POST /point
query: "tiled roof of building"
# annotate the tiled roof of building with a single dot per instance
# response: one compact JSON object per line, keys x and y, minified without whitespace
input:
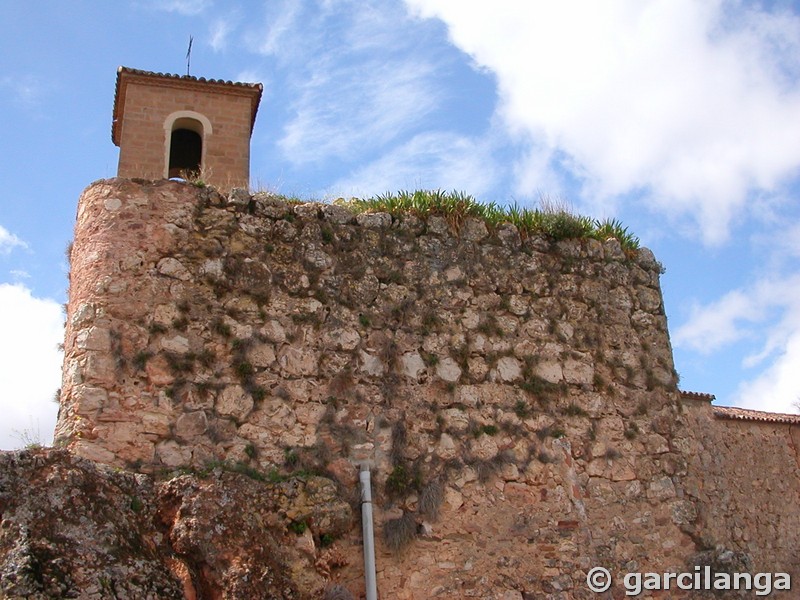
{"x":190,"y":81}
{"x":698,"y":396}
{"x":743,"y":414}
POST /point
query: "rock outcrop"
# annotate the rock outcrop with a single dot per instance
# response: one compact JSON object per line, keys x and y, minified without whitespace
{"x":74,"y":529}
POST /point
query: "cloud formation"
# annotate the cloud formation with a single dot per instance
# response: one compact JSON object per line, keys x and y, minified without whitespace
{"x":183,"y":7}
{"x":767,"y":315}
{"x":30,"y":364}
{"x":9,"y":241}
{"x":436,"y":160}
{"x":692,"y":105}
{"x":358,"y":79}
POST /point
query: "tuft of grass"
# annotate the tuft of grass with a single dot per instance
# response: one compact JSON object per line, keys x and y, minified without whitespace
{"x":551,"y":220}
{"x":521,"y":409}
{"x":399,"y":533}
{"x":299,"y":527}
{"x":136,"y":504}
{"x":141,"y":358}
{"x":402,"y":480}
{"x":431,"y":498}
{"x":573,"y":410}
{"x":337,"y":592}
{"x":479,"y":430}
{"x":221,"y":327}
{"x":545,"y":457}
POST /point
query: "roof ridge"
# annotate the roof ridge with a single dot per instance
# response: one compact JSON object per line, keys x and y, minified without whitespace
{"x":146,"y":73}
{"x":748,"y":414}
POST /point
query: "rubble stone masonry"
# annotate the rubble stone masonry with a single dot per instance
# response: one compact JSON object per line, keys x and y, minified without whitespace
{"x":514,"y":397}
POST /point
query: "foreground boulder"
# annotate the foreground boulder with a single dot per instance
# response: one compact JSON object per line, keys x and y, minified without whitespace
{"x":74,"y":529}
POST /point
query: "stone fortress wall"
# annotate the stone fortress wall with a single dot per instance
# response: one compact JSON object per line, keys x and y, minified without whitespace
{"x":515,"y":398}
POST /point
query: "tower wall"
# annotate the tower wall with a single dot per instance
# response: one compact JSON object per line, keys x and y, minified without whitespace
{"x":148,"y":101}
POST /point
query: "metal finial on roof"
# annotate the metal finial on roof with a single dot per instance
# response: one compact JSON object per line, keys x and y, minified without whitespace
{"x":189,"y":55}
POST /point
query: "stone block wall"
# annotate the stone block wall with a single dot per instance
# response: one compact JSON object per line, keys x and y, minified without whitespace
{"x":515,"y":398}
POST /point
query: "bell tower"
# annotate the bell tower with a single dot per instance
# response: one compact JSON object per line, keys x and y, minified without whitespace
{"x":170,"y":126}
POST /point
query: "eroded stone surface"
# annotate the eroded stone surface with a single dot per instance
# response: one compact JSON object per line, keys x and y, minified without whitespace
{"x":71,"y":528}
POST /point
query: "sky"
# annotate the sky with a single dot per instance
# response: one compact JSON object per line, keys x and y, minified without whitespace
{"x":679,"y":117}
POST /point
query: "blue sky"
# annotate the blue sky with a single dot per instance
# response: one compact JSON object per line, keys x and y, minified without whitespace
{"x":681,"y":117}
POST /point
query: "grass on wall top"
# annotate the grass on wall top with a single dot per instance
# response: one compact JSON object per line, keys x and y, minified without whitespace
{"x":552,"y":220}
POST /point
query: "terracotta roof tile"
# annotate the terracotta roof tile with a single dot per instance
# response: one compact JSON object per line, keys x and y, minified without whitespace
{"x":743,"y":414}
{"x":698,"y":396}
{"x":125,"y":73}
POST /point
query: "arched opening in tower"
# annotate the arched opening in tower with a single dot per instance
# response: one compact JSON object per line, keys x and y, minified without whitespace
{"x":185,"y":153}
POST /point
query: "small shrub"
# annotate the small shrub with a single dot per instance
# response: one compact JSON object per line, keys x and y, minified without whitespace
{"x":291,"y":458}
{"x":258,"y":392}
{"x":521,"y":409}
{"x":489,"y":429}
{"x":244,"y":369}
{"x":221,"y":327}
{"x":632,"y":431}
{"x":612,"y":454}
{"x":136,"y":504}
{"x":573,"y":410}
{"x":401,"y":480}
{"x":180,"y":363}
{"x":206,"y":357}
{"x":364,"y":320}
{"x":399,"y":439}
{"x":430,"y":359}
{"x":484,"y":469}
{"x":156,"y":328}
{"x":298,"y":527}
{"x":399,"y":533}
{"x":141,"y":358}
{"x":545,"y":457}
{"x":250,"y":450}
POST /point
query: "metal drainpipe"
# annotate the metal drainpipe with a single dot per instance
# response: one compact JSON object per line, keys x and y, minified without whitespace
{"x":369,"y":538}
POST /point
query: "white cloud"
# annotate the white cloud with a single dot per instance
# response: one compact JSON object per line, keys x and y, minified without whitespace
{"x":219,"y":32}
{"x":428,"y":161}
{"x":767,"y":315}
{"x":183,"y":7}
{"x":9,"y":241}
{"x":777,"y":388}
{"x":30,"y":364}
{"x":720,"y":323}
{"x":360,"y":76}
{"x":695,"y":103}
{"x":26,"y":90}
{"x":342,"y":110}
{"x":280,"y":21}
